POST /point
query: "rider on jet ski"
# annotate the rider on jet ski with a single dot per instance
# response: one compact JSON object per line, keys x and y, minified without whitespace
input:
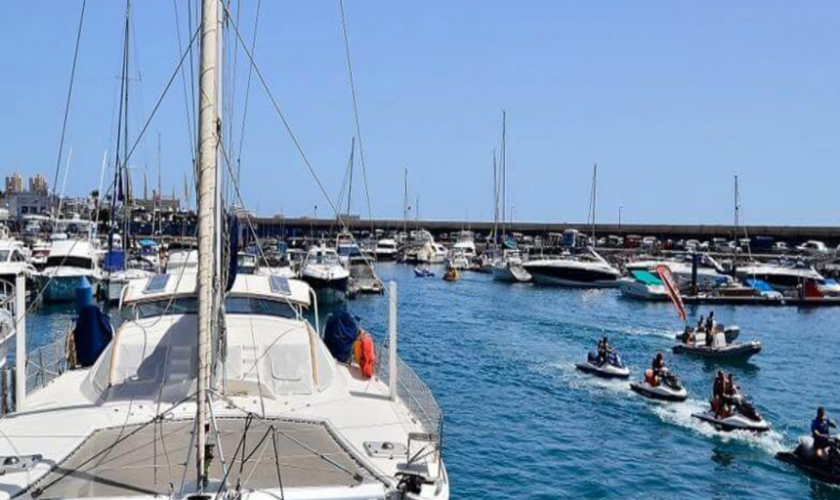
{"x":725,"y":395}
{"x":604,"y":349}
{"x":821,"y":432}
{"x":657,"y":369}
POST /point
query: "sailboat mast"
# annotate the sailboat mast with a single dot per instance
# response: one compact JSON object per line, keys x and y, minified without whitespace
{"x":504,"y":176}
{"x":405,"y":204}
{"x":737,"y":210}
{"x":594,"y":199}
{"x":207,"y":187}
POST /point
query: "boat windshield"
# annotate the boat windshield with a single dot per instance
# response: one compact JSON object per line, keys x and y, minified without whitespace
{"x":69,"y":261}
{"x":4,"y":255}
{"x":261,"y":307}
{"x":233,"y":305}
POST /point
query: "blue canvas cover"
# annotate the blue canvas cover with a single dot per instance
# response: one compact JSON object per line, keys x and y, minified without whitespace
{"x":93,"y":332}
{"x":114,"y":261}
{"x":760,"y":285}
{"x":339,"y":335}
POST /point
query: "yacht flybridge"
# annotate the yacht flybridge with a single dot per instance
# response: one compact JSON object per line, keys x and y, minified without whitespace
{"x":218,"y":387}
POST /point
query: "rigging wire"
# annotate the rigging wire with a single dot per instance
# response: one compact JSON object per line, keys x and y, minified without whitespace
{"x":247,"y":93}
{"x":191,"y":130}
{"x":356,"y":112}
{"x":69,"y":96}
{"x":160,"y":99}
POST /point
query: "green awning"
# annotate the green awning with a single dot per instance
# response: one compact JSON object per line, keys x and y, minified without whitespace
{"x":646,"y":277}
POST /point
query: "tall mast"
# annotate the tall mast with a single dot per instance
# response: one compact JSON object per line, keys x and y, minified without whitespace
{"x":207,"y":192}
{"x":737,"y":209}
{"x":350,"y":185}
{"x":504,"y":176}
{"x":405,"y":203}
{"x":594,"y":199}
{"x":495,"y":204}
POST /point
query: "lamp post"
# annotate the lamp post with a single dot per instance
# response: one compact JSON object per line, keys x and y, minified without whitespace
{"x":620,"y":209}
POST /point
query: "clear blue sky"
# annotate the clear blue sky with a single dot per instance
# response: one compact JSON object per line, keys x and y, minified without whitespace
{"x":671,"y":98}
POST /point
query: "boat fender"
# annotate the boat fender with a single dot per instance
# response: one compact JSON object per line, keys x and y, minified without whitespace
{"x":364,"y":353}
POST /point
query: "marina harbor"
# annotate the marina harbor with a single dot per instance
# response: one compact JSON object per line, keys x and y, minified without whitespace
{"x":623,"y":282}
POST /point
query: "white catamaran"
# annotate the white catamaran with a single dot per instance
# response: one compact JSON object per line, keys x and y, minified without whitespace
{"x":212,"y":393}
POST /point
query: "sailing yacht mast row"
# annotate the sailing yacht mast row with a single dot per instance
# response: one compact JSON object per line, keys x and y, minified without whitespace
{"x":209,"y":389}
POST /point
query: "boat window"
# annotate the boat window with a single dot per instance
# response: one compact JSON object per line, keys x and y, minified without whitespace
{"x":69,"y":261}
{"x":262,"y":307}
{"x":166,"y":306}
{"x":4,"y":255}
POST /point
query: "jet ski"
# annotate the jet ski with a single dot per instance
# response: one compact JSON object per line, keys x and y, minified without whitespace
{"x":744,"y":417}
{"x":826,"y":470}
{"x":613,"y":368}
{"x":423,"y":272}
{"x":736,"y":351}
{"x":730,"y":333}
{"x":669,"y":389}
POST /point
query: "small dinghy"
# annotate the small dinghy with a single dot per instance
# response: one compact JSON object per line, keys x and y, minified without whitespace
{"x":423,"y":272}
{"x":738,"y":351}
{"x":826,"y":470}
{"x":613,"y":368}
{"x":669,"y":388}
{"x":744,"y":417}
{"x":730,"y":333}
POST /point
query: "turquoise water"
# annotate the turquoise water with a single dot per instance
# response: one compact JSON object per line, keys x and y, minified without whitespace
{"x":521,"y":423}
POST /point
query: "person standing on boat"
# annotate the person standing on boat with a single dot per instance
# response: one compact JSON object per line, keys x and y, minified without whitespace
{"x":701,"y":324}
{"x":821,"y":432}
{"x":711,"y":324}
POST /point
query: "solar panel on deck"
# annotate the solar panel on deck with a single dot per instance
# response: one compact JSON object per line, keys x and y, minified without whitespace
{"x":279,"y":284}
{"x":157,"y":283}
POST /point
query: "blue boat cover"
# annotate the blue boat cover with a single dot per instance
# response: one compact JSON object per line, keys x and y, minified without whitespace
{"x":760,"y":285}
{"x":93,"y":332}
{"x":114,"y":261}
{"x":339,"y":335}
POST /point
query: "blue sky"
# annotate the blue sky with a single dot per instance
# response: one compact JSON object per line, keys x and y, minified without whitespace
{"x":669,"y":98}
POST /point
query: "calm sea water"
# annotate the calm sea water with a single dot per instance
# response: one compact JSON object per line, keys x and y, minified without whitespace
{"x":521,"y":423}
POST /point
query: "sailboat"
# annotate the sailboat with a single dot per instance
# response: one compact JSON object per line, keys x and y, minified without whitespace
{"x":218,"y":390}
{"x":507,"y":262}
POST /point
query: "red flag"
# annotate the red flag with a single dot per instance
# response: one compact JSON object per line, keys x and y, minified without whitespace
{"x":671,"y":287}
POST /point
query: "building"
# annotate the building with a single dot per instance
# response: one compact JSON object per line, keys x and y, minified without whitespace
{"x":14,"y":183}
{"x":35,"y":201}
{"x":38,"y":184}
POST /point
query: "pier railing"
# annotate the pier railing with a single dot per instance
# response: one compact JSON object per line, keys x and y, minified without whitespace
{"x":414,"y":393}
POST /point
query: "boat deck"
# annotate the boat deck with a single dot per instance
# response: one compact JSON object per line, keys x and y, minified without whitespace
{"x":148,"y":459}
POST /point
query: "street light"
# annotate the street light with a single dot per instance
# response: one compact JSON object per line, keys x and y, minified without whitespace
{"x":620,"y":209}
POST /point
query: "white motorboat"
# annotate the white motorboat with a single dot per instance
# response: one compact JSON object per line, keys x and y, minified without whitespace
{"x":644,"y":285}
{"x":586,"y":271}
{"x":386,"y":250}
{"x":69,"y":261}
{"x":431,"y":253}
{"x":325,"y":273}
{"x":780,"y":277}
{"x":709,"y":273}
{"x":509,"y":268}
{"x":13,"y":261}
{"x":458,"y":259}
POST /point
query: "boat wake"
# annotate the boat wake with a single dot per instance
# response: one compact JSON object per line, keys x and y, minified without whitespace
{"x":594,"y":385}
{"x":770,"y":442}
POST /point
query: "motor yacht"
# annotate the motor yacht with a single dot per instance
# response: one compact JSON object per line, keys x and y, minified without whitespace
{"x":710,"y":274}
{"x":70,"y":260}
{"x":509,"y":268}
{"x":386,"y":250}
{"x":325,"y":273}
{"x":585,"y":270}
{"x":13,"y":261}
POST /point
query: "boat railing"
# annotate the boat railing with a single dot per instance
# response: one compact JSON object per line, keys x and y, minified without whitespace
{"x":415,"y":394}
{"x":46,"y":363}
